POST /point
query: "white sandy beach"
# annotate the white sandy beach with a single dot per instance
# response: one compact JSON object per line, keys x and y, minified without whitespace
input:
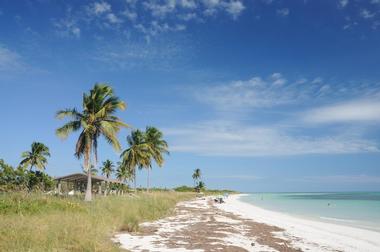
{"x":307,"y":234}
{"x":202,"y":225}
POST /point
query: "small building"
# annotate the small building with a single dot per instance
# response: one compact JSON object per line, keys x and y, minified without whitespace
{"x":77,"y":182}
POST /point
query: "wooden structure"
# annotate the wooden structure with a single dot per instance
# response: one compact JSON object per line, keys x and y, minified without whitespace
{"x":78,"y":182}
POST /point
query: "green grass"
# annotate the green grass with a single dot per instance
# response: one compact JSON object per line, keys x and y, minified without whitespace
{"x":32,"y":222}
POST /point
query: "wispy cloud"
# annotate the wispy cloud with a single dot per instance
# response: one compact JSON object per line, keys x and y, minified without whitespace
{"x":147,"y":17}
{"x":366,"y":14}
{"x":276,"y":90}
{"x":162,"y":54}
{"x":352,"y":111}
{"x":342,"y":3}
{"x":283,"y":12}
{"x":11,"y":61}
{"x":223,"y":138}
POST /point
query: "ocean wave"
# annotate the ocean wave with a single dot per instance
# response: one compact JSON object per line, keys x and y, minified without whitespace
{"x":336,"y":219}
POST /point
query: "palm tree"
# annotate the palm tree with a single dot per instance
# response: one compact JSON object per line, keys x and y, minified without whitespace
{"x":123,"y":174}
{"x":157,"y":147}
{"x":107,"y":168}
{"x":196,"y":175}
{"x":96,"y":119}
{"x":200,"y":186}
{"x":36,"y":157}
{"x":137,"y":155}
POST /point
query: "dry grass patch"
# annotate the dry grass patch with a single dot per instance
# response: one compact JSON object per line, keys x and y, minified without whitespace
{"x":47,"y":223}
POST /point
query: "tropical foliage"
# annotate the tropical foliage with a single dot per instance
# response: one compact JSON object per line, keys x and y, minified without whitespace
{"x":136,"y":155}
{"x":196,"y":175}
{"x":144,"y":147}
{"x":157,"y":147}
{"x":36,"y":157}
{"x":200,"y":186}
{"x":107,"y":168}
{"x":21,"y":179}
{"x":96,"y":119}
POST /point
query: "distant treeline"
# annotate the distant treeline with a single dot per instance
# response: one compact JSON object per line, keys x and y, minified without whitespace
{"x":185,"y":188}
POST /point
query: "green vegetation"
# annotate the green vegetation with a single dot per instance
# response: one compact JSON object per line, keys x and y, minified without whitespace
{"x":143,"y":148}
{"x":108,"y":168}
{"x":185,"y":188}
{"x":21,"y":179}
{"x":196,"y":176}
{"x":37,"y":157}
{"x":36,"y":222}
{"x":96,"y":119}
{"x":198,"y":184}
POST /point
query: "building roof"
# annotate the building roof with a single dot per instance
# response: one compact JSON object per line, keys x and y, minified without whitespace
{"x":83,"y":178}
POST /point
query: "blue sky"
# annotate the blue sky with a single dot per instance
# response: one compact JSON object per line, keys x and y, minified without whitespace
{"x":261,"y":95}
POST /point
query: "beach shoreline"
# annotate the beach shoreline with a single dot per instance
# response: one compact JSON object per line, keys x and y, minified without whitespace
{"x":203,"y":225}
{"x":305,"y":233}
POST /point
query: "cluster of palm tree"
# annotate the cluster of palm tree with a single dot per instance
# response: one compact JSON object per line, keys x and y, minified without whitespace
{"x":98,"y":118}
{"x":144,"y":148}
{"x":198,"y":184}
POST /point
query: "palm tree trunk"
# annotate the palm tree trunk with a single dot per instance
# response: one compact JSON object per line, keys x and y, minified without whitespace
{"x":147,"y":182}
{"x":88,"y":196}
{"x":134,"y":180}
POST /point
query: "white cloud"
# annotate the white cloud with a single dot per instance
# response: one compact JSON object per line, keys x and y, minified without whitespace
{"x":283,"y":12}
{"x":190,"y":4}
{"x":276,"y":90}
{"x":278,"y":80}
{"x":131,"y":15}
{"x":258,"y":92}
{"x":10,"y":60}
{"x":234,"y":8}
{"x":353,"y":111}
{"x":223,"y":138}
{"x":188,"y":16}
{"x":160,"y":10}
{"x":113,"y":19}
{"x":161,"y":54}
{"x":367,"y":14}
{"x":149,"y":17}
{"x":100,"y":8}
{"x":342,"y":3}
{"x":68,"y":27}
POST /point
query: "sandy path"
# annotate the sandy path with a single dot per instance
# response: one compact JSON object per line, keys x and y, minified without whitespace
{"x":199,"y":225}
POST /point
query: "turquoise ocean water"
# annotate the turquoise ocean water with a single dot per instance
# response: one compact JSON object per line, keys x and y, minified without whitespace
{"x":357,"y":209}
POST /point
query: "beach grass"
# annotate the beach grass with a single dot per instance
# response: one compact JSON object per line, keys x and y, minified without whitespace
{"x":36,"y":222}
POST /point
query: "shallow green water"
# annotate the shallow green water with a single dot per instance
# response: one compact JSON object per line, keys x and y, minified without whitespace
{"x":358,"y":209}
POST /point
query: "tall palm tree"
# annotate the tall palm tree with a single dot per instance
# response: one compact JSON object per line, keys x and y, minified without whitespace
{"x":137,"y":155}
{"x":196,"y":175}
{"x":157,"y":147}
{"x":96,"y":119}
{"x":107,"y":168}
{"x":36,"y":157}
